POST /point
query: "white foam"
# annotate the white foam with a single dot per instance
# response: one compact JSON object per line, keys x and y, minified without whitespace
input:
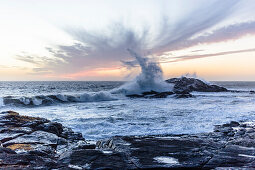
{"x":25,"y":100}
{"x":1,"y":102}
{"x":74,"y":166}
{"x":150,"y":78}
{"x":166,"y":160}
{"x":36,"y":101}
{"x":107,"y":152}
{"x":248,"y":156}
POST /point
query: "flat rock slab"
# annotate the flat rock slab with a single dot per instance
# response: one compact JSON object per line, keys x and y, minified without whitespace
{"x":35,"y":137}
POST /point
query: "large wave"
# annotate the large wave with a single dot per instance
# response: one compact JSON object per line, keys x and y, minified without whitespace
{"x":150,"y":78}
{"x":56,"y":99}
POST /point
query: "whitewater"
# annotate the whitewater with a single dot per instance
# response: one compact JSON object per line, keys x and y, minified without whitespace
{"x":101,"y":109}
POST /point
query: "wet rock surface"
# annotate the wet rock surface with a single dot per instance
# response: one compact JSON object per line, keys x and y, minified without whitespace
{"x":188,"y":85}
{"x":37,"y":143}
{"x":33,"y":143}
{"x":226,"y":147}
{"x":151,"y":94}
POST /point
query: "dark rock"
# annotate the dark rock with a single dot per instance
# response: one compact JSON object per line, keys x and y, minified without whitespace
{"x":241,"y":132}
{"x":49,"y":145}
{"x":105,"y":144}
{"x":184,"y":95}
{"x":6,"y":150}
{"x":162,"y":94}
{"x":250,"y":130}
{"x":243,"y":125}
{"x":192,"y":84}
{"x":226,"y":130}
{"x":151,"y":94}
{"x":16,"y":120}
{"x":52,"y":127}
{"x":31,"y":143}
{"x":232,"y":156}
{"x":70,"y":135}
{"x":35,"y":137}
{"x":86,"y":146}
{"x":234,"y":124}
{"x":135,"y":95}
{"x":95,"y":159}
{"x":252,"y":92}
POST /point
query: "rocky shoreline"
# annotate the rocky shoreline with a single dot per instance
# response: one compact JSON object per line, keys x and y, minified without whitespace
{"x":37,"y":143}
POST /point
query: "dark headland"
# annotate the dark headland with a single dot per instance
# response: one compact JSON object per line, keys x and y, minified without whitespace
{"x":37,"y":143}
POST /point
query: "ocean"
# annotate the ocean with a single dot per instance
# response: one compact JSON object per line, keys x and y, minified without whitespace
{"x":97,"y":111}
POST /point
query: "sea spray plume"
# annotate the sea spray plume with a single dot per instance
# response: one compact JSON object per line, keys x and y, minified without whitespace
{"x":151,"y":72}
{"x":150,"y":78}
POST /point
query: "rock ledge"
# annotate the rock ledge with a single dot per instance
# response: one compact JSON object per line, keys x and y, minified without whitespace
{"x":37,"y":143}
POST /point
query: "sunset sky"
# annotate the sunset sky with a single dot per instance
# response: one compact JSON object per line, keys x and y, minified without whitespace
{"x":88,"y":39}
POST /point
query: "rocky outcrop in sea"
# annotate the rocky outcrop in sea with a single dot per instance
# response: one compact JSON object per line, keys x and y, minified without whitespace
{"x":37,"y":143}
{"x":185,"y":84}
{"x":182,"y":88}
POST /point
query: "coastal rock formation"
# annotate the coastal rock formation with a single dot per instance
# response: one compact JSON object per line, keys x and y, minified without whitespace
{"x":185,"y":84}
{"x":231,"y":145}
{"x":151,"y":94}
{"x":33,"y":143}
{"x":36,"y":143}
{"x":182,"y":88}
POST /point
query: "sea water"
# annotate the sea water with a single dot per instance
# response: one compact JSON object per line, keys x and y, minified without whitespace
{"x":94,"y":110}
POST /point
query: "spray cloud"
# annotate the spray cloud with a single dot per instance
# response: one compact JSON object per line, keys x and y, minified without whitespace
{"x":150,"y":78}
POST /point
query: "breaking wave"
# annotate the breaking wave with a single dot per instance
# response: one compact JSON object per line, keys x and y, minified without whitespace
{"x":56,"y":99}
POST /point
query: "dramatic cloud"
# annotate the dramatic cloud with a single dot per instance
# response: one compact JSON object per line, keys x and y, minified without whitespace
{"x":190,"y":57}
{"x":108,"y":48}
{"x":97,"y":50}
{"x":227,"y":33}
{"x":230,"y":32}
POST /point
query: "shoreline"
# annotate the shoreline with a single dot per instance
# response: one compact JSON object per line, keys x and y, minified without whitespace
{"x":37,"y":143}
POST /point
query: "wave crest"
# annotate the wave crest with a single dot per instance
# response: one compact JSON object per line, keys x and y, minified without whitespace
{"x":56,"y":99}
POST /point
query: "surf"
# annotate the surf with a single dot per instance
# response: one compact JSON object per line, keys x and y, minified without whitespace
{"x":44,"y":100}
{"x":149,"y":79}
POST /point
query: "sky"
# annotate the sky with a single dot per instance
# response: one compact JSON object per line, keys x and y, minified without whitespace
{"x":87,"y":40}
